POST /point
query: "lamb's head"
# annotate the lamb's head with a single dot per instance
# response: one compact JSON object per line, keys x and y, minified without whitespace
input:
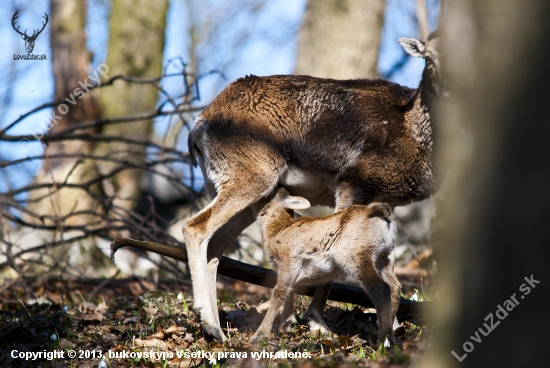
{"x":430,"y":52}
{"x":281,"y":207}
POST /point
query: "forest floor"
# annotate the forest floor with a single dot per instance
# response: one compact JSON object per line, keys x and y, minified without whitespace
{"x":128,"y":326}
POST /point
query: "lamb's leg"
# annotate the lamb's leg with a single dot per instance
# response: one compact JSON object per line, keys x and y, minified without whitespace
{"x":347,"y":195}
{"x":382,"y":295}
{"x":395,"y":286}
{"x":281,"y":292}
{"x":287,"y":317}
{"x":316,"y":309}
{"x":376,"y":276}
{"x":384,"y":268}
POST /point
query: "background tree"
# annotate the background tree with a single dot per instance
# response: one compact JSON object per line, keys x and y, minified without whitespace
{"x":71,"y":63}
{"x":340,"y":39}
{"x":135,"y":49}
{"x":496,"y":158}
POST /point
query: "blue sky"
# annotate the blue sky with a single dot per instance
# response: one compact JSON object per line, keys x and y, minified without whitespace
{"x":272,"y":51}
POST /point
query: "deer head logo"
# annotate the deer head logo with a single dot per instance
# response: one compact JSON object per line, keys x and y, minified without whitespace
{"x":29,"y":40}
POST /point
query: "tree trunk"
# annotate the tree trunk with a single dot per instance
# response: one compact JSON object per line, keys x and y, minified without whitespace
{"x":136,"y":44}
{"x":495,"y":136}
{"x":340,"y":39}
{"x":70,"y":61}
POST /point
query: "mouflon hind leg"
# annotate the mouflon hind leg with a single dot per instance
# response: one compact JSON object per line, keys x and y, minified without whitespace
{"x":238,"y":191}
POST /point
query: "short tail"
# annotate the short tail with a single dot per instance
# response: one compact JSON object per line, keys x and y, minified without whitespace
{"x":192,"y":150}
{"x":382,"y":210}
{"x":193,"y":139}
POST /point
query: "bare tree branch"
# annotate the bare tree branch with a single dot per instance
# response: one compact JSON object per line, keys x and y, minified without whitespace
{"x":162,"y":161}
{"x":268,"y":278}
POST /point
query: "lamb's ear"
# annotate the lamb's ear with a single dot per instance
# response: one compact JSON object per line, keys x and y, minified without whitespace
{"x":295,"y":203}
{"x":412,"y":46}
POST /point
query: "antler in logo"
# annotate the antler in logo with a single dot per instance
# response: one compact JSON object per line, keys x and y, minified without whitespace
{"x":29,"y":40}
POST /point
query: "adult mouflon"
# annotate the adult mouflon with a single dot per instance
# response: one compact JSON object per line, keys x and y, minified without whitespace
{"x":334,"y":142}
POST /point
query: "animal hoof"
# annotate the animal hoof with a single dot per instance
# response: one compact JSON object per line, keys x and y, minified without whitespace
{"x":257,"y":337}
{"x":212,"y":333}
{"x":197,"y":310}
{"x":288,"y":326}
{"x":318,"y":326}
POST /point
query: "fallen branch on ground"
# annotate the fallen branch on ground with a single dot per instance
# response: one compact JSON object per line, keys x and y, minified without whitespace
{"x":408,"y":310}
